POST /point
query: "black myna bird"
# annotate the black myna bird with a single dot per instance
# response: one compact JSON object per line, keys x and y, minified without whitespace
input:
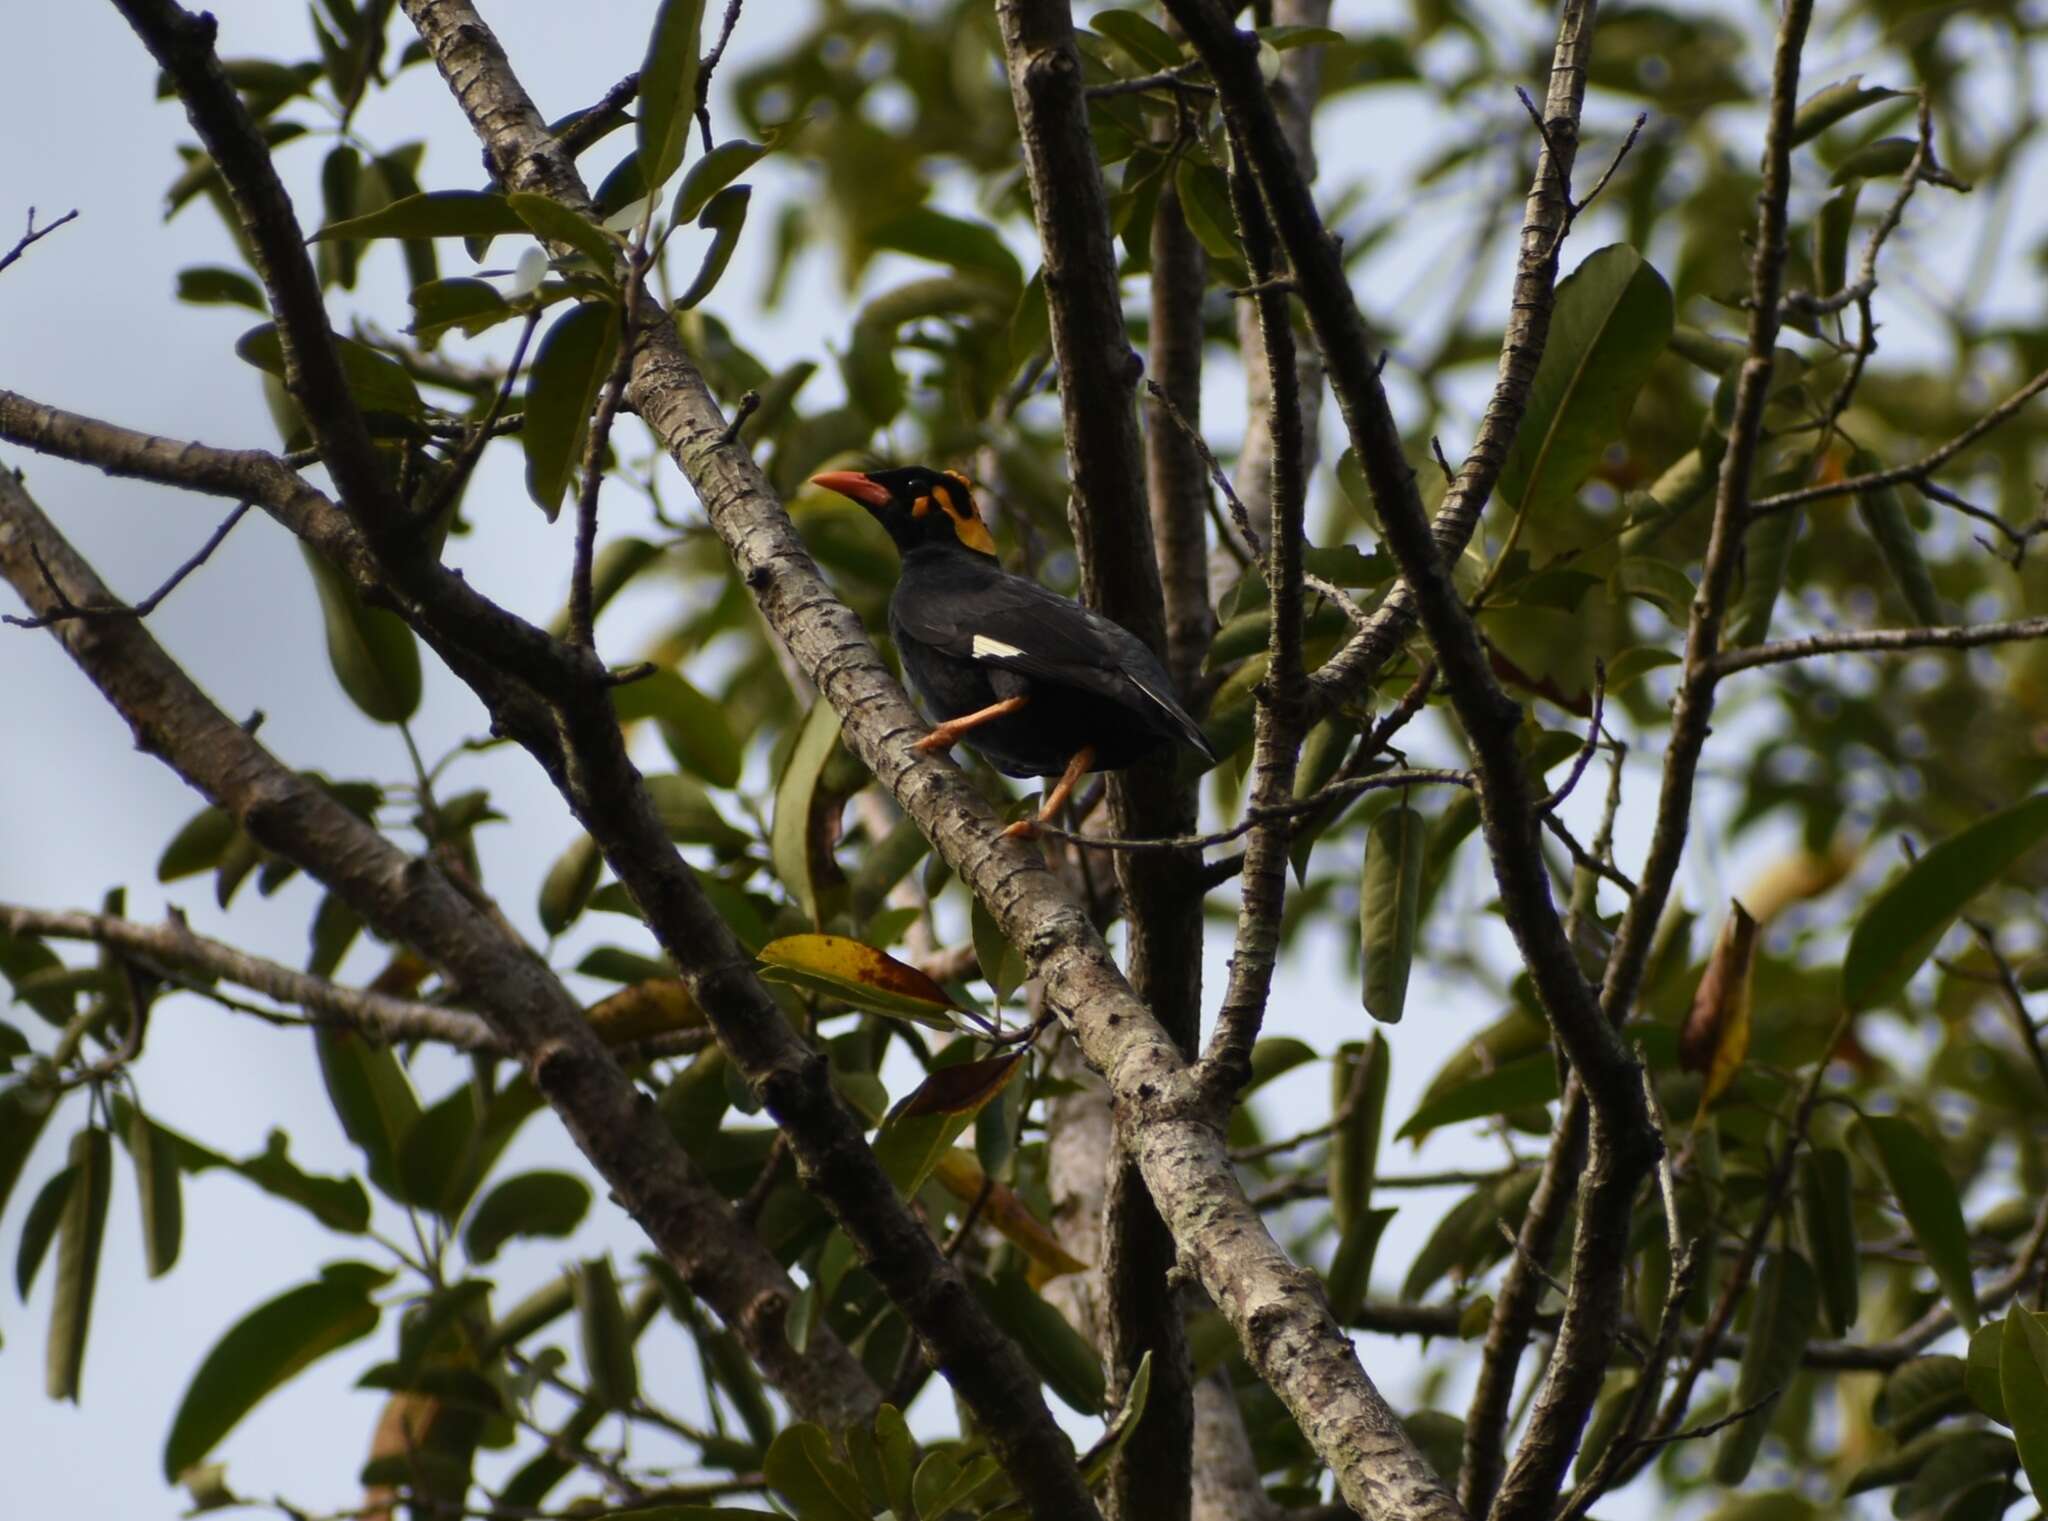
{"x":1037,"y":683}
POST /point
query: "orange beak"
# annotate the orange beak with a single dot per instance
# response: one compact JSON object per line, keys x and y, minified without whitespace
{"x":851,"y":483}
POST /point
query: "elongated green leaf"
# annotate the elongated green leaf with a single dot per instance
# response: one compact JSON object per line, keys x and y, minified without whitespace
{"x":569,"y":369}
{"x":1389,"y":895}
{"x":372,"y":1096}
{"x":1612,"y":320}
{"x":198,"y":844}
{"x":337,"y":1203}
{"x":607,"y":1335}
{"x":1351,"y":1268}
{"x":1787,"y":1305}
{"x":1903,"y":924}
{"x":471,"y":305}
{"x":2023,"y":1385}
{"x":1822,"y":109}
{"x":372,"y":651}
{"x":266,"y":1348}
{"x":1519,"y":1084}
{"x":975,"y":247}
{"x":1827,"y":1217}
{"x":437,"y":214}
{"x":569,"y":883}
{"x":1920,"y":1393}
{"x":531,"y":1204}
{"x":1354,"y":1149}
{"x":80,"y":1229}
{"x":791,"y":838}
{"x":695,"y":728}
{"x":552,"y":222}
{"x":157,"y":1188}
{"x":39,"y":1228}
{"x":1063,"y":1358}
{"x":1766,"y":556}
{"x":811,"y":1478}
{"x":712,"y":173}
{"x":725,"y":214}
{"x":377,"y":381}
{"x":1981,"y":1370}
{"x":212,"y":285}
{"x":668,"y":89}
{"x":1885,"y":516}
{"x":1147,"y":44}
{"x":1877,"y":160}
{"x":1927,"y":1197}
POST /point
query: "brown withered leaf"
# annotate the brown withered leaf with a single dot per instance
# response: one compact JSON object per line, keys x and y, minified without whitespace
{"x":962,"y":1088}
{"x":1715,"y":1037}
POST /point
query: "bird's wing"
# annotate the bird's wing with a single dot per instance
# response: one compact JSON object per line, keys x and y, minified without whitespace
{"x":1010,"y":623}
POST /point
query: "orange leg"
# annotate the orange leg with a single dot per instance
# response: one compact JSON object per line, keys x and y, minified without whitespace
{"x":1055,"y":800}
{"x":946,"y":735}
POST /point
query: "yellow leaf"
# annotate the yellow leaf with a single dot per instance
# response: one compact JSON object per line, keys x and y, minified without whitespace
{"x":960,"y":1173}
{"x":1797,"y":877}
{"x":643,"y":1010}
{"x":860,"y":975}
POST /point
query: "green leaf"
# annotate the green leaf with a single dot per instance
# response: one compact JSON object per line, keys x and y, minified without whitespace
{"x":1904,"y":923}
{"x":1143,"y":40}
{"x":688,"y":815}
{"x":615,"y":564}
{"x":1001,"y":967}
{"x":553,"y":223}
{"x":81,"y":1226}
{"x":1388,"y":896}
{"x":668,"y":89}
{"x":198,"y":844}
{"x":971,"y":247}
{"x":1827,"y":1218}
{"x":569,"y":883}
{"x":802,"y":1468}
{"x":694,"y":727}
{"x":337,"y":1203}
{"x":213,"y":285}
{"x":1766,"y":557}
{"x":1884,"y":515}
{"x":1519,"y":1084}
{"x":1095,"y":1463}
{"x":1982,"y":1378}
{"x":791,"y":839}
{"x":155,"y":1157}
{"x":1927,"y":1197}
{"x":1354,"y":1148}
{"x":712,"y":173}
{"x":530,"y":1204}
{"x":1822,"y":109}
{"x":39,"y":1228}
{"x":607,"y":1335}
{"x":372,"y":651}
{"x":724,"y":215}
{"x":1062,"y":1356}
{"x":1613,"y":318}
{"x":1920,"y":1393}
{"x":1350,"y":1272}
{"x":376,"y":381}
{"x":1787,"y":1305}
{"x":569,"y":369}
{"x":266,"y":1348}
{"x":1877,"y":160}
{"x":471,"y":305}
{"x":373,"y":1098}
{"x":437,"y":214}
{"x":2023,"y":1385}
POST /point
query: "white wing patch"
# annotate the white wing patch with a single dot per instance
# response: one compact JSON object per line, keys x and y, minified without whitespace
{"x":985,"y":648}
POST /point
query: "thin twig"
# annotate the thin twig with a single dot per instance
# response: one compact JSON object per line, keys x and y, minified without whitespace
{"x":1257,"y":816}
{"x":1882,"y":641}
{"x":64,"y":611}
{"x":593,"y":123}
{"x":1174,"y":79}
{"x":1238,"y":515}
{"x":1584,"y":757}
{"x":34,"y":235}
{"x":709,"y":65}
{"x":580,"y":593}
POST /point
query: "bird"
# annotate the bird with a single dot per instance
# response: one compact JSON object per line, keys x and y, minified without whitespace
{"x":1038,"y":684}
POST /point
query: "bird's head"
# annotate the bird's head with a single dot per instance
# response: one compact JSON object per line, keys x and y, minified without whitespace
{"x":918,"y":507}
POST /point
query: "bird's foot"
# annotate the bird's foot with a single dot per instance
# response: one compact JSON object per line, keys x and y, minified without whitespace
{"x":944,"y":737}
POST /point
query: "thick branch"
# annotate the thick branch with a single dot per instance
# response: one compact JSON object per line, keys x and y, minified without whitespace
{"x":408,"y":899}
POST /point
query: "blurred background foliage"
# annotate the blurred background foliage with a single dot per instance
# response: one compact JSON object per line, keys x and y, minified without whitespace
{"x":884,"y":149}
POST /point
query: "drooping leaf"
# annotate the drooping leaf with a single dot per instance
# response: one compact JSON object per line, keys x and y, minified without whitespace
{"x":39,"y":1228}
{"x":265,"y":1349}
{"x":958,"y":1171}
{"x":607,"y":1335}
{"x":1904,"y":922}
{"x":1982,"y":1376}
{"x":157,"y":1189}
{"x":1520,"y":1084}
{"x":1927,"y":1197}
{"x":860,"y":975}
{"x":1827,"y":1217}
{"x":1787,"y":1305}
{"x":695,"y":728}
{"x":372,"y":1096}
{"x":569,"y":369}
{"x":963,"y":1087}
{"x":372,"y":651}
{"x":1884,"y":515}
{"x":1389,"y":896}
{"x":1350,"y":1274}
{"x":531,"y":1204}
{"x":1063,"y":1358}
{"x":569,"y":882}
{"x":724,"y":216}
{"x":1715,"y":1037}
{"x":1612,"y":319}
{"x":1354,"y":1148}
{"x":2023,"y":1385}
{"x":668,"y":89}
{"x":378,"y":382}
{"x":793,"y":845}
{"x":81,"y":1226}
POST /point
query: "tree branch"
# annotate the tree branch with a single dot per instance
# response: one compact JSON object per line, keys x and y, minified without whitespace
{"x":409,"y":899}
{"x":32,"y":234}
